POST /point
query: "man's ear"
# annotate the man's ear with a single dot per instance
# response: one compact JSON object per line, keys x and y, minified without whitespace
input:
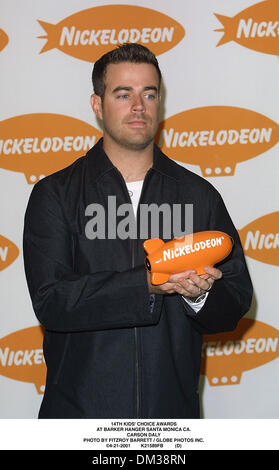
{"x":96,"y":103}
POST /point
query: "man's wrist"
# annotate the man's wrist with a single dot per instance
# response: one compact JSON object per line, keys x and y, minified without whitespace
{"x":196,"y":300}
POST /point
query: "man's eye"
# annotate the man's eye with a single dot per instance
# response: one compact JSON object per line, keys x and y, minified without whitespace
{"x":150,"y":96}
{"x":123,"y":97}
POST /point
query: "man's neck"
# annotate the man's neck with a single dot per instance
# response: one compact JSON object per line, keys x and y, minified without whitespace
{"x":132,"y":164}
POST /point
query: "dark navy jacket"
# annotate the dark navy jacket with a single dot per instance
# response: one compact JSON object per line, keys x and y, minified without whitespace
{"x":108,"y":353}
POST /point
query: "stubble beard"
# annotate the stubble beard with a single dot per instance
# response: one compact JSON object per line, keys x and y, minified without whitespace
{"x":128,"y":142}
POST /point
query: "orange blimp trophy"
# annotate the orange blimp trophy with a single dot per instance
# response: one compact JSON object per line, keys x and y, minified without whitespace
{"x":193,"y":251}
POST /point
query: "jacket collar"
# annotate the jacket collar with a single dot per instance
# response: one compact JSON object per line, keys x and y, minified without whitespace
{"x":99,"y":163}
{"x":165,"y":165}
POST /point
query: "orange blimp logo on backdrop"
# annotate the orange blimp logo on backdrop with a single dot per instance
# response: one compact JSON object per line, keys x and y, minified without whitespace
{"x":21,"y":357}
{"x":260,"y":239}
{"x":225,"y":356}
{"x":40,"y":144}
{"x":4,"y":39}
{"x":256,"y":27}
{"x":217,"y":138}
{"x":90,"y":33}
{"x":8,"y":252}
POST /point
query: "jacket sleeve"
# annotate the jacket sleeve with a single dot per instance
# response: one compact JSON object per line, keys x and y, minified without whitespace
{"x":230,"y":297}
{"x":64,"y":300}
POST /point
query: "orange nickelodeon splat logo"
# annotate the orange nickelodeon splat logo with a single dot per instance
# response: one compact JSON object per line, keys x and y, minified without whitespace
{"x":225,"y":356}
{"x":40,"y":144}
{"x":216,"y":137}
{"x":260,"y":239}
{"x":88,"y":34}
{"x":8,"y":252}
{"x":21,"y":357}
{"x":256,"y":27}
{"x":4,"y":39}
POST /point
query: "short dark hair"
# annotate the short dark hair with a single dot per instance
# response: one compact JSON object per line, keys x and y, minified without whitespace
{"x":130,"y":52}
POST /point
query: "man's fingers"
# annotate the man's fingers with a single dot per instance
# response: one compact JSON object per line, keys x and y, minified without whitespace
{"x":166,"y":288}
{"x":200,"y":282}
{"x":213,"y":272}
{"x":187,"y":289}
{"x":188,"y":283}
{"x":177,"y":277}
{"x":194,"y":285}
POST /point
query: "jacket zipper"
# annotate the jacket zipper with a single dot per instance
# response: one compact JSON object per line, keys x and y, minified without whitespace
{"x":137,"y":374}
{"x":135,"y":328}
{"x":136,"y":345}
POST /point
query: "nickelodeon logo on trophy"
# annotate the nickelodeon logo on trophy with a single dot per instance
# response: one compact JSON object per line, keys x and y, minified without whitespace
{"x":40,"y":144}
{"x":216,"y":138}
{"x":90,"y":33}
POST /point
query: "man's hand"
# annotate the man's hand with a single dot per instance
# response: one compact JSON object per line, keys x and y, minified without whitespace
{"x":187,"y":283}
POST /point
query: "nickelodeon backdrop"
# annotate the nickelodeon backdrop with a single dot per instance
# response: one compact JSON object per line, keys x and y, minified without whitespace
{"x":219,"y":119}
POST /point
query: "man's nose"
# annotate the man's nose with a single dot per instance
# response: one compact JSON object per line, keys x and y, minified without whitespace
{"x":138,"y":104}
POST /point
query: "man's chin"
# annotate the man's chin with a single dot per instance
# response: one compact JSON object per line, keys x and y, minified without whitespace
{"x":135,"y":144}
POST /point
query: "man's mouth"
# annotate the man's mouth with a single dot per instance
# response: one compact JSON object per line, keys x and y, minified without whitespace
{"x":137,"y":123}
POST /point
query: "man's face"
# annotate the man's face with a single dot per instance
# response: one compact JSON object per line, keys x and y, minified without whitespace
{"x":130,"y":107}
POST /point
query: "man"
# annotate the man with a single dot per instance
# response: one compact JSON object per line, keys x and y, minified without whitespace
{"x":116,"y":345}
